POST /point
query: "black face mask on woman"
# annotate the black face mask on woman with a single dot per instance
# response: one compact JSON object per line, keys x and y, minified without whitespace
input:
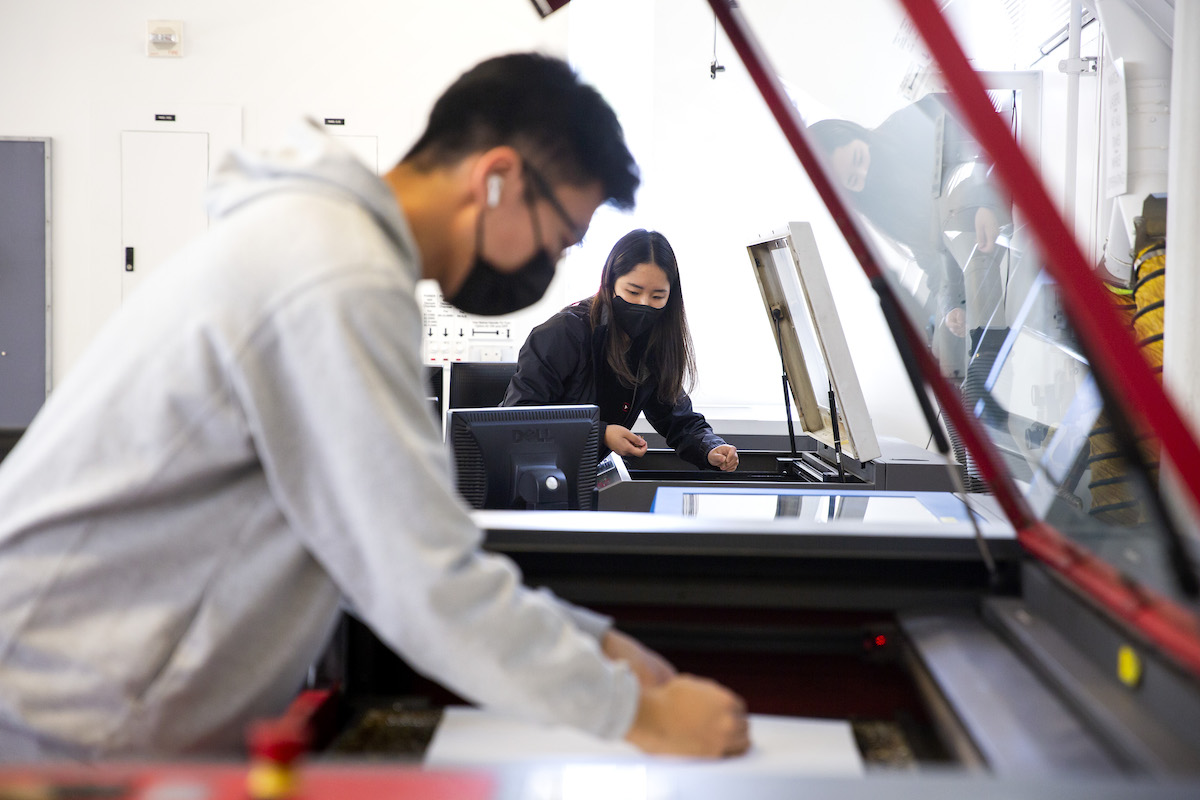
{"x":633,"y":318}
{"x":489,"y":292}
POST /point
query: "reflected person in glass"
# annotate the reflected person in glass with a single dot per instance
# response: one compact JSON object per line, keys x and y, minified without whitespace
{"x":922,"y":182}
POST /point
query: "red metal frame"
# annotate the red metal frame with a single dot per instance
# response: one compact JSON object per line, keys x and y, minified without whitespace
{"x":548,"y":7}
{"x":1111,"y":350}
{"x":217,"y":781}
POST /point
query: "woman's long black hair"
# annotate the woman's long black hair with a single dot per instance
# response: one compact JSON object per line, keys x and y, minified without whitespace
{"x":898,"y":195}
{"x":669,"y":351}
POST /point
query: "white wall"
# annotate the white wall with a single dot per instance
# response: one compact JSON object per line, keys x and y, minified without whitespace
{"x":716,"y":169}
{"x":68,"y":62}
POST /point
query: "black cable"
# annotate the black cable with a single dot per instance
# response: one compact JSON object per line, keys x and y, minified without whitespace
{"x":892,"y":315}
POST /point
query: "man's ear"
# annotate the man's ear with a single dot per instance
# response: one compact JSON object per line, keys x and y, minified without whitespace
{"x":493,"y":172}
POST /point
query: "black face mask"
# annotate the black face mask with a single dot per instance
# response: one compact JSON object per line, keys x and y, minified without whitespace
{"x":488,"y":292}
{"x":635,"y":319}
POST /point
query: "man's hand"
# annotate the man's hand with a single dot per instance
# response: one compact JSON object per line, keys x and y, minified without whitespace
{"x":650,"y":668}
{"x":623,"y":441}
{"x":690,"y":716}
{"x":725,"y":457}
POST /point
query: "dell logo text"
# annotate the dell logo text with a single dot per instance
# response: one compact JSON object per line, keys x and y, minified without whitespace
{"x":533,"y":435}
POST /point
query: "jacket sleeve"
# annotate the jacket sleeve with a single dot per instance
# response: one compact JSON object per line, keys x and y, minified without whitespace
{"x":554,"y":351}
{"x":332,"y":388}
{"x":944,"y":278}
{"x":967,"y":181}
{"x":969,"y":187}
{"x":685,"y":430}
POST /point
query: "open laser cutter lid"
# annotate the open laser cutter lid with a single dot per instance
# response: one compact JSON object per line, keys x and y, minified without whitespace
{"x":811,"y":341}
{"x":1025,"y":351}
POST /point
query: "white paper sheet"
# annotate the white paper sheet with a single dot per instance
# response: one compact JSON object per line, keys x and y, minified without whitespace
{"x":472,"y":737}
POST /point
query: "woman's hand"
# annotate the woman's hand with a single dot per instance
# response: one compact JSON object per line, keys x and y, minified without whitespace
{"x":650,"y":668}
{"x":956,"y":322}
{"x":623,"y":441}
{"x":987,"y":228}
{"x":725,"y":457}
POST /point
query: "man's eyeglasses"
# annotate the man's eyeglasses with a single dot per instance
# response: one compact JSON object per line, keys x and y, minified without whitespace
{"x":542,"y":187}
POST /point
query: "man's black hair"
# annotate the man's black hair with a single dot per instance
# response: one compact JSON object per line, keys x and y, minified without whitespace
{"x":538,"y":105}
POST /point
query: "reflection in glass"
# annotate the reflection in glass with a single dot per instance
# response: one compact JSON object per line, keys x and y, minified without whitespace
{"x":922,"y":183}
{"x":964,"y":264}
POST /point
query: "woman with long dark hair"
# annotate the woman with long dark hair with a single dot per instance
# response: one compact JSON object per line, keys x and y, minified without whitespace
{"x":627,"y":349}
{"x":920,"y":179}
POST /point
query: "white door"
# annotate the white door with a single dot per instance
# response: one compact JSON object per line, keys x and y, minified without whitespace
{"x":163,"y":178}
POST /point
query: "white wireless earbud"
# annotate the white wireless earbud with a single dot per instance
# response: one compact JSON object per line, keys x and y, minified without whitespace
{"x":494,"y":182}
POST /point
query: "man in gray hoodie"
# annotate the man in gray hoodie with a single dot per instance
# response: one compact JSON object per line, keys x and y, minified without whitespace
{"x":246,"y":445}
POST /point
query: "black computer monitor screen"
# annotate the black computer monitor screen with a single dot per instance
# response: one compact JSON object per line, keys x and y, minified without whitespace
{"x":433,"y":390}
{"x":526,"y":457}
{"x":476,"y":384}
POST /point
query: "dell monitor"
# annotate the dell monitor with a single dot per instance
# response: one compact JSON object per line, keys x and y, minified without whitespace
{"x":526,"y":457}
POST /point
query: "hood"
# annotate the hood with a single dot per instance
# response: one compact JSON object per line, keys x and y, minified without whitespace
{"x":307,"y":160}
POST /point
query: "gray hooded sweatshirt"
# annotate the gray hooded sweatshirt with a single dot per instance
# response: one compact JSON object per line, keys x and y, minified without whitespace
{"x":245,"y":446}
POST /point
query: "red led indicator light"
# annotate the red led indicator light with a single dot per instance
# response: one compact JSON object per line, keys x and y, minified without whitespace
{"x":880,"y":641}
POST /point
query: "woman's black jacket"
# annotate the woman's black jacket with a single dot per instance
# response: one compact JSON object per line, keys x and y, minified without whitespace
{"x":562,"y":363}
